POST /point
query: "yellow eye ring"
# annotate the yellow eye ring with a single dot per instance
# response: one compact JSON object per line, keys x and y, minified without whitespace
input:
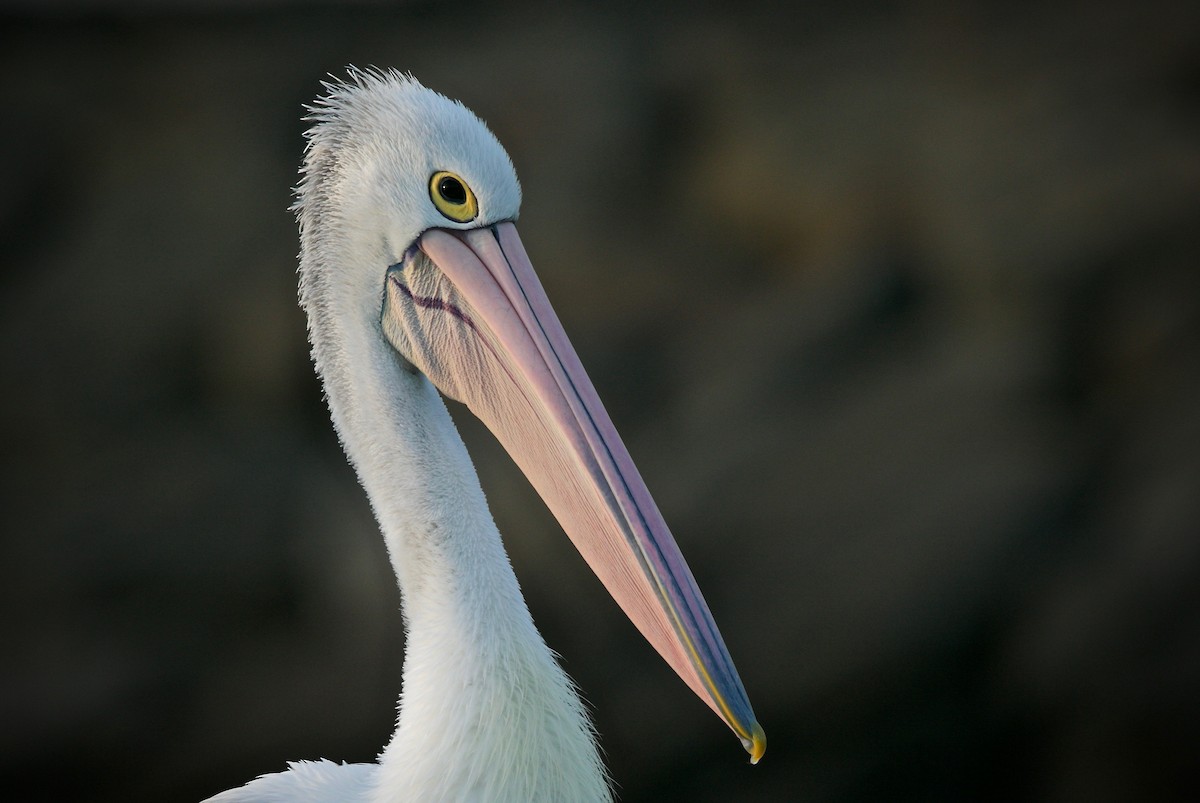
{"x":452,"y":197}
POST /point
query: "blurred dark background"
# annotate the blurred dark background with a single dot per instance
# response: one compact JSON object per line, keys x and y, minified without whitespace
{"x":897,"y":310}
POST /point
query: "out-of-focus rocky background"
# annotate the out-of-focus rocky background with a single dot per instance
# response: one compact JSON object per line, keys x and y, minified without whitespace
{"x":897,"y":310}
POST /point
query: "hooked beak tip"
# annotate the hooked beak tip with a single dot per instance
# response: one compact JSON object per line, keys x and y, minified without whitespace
{"x":756,"y":745}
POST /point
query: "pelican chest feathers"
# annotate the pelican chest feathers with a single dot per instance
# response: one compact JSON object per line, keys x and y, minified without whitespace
{"x":414,"y":281}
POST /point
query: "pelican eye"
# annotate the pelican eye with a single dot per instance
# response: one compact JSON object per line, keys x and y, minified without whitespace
{"x":452,"y":197}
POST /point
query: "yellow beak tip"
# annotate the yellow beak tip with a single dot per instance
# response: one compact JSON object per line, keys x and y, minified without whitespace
{"x":756,"y":745}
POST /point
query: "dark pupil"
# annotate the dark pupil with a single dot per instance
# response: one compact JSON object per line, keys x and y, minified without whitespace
{"x":452,"y":190}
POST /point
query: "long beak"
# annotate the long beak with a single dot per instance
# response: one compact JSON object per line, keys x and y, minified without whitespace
{"x":467,"y":309}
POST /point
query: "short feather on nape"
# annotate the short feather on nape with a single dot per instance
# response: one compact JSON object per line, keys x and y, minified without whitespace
{"x":388,"y":118}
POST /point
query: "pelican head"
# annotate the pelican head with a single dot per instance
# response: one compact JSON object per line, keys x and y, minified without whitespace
{"x":407,"y":211}
{"x":443,"y":273}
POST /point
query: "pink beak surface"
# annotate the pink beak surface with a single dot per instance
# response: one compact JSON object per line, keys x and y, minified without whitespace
{"x":467,"y":309}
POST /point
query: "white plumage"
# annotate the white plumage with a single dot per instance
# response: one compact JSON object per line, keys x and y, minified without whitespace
{"x":405,"y":287}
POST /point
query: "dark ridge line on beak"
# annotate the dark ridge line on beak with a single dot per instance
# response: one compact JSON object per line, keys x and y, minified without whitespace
{"x":587,"y":412}
{"x":706,"y":622}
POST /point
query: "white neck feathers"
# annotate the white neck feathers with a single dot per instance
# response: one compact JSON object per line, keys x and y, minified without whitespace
{"x":486,"y":713}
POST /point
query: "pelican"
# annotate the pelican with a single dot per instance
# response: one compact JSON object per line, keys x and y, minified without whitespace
{"x":414,"y":281}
